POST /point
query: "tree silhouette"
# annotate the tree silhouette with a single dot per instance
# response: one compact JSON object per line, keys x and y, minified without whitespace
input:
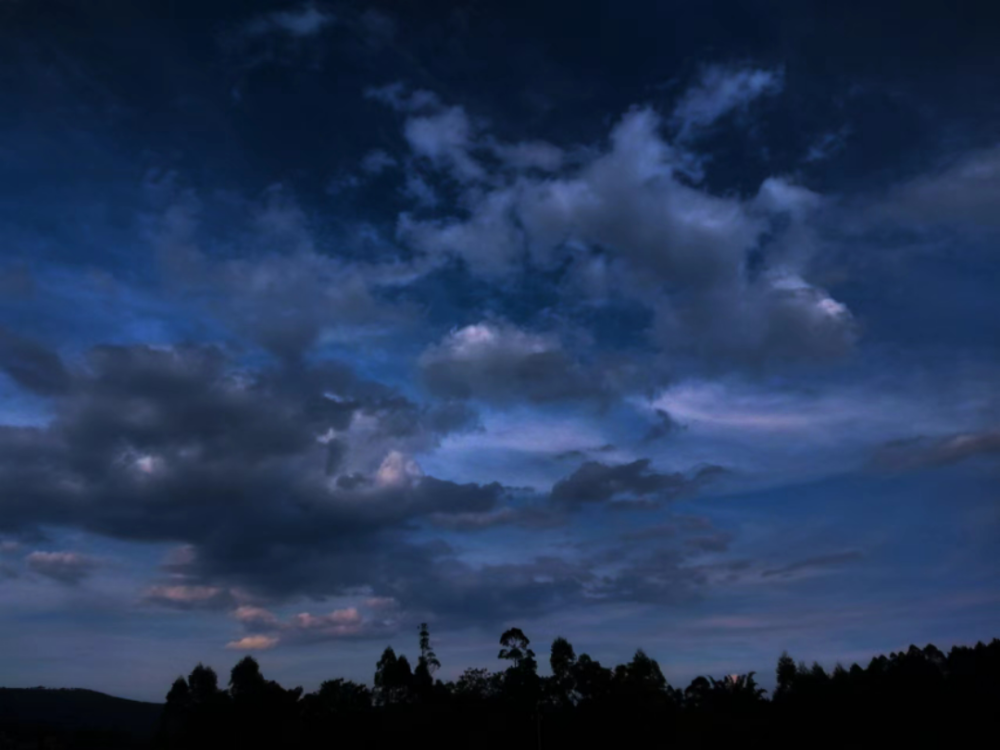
{"x":245,"y":679}
{"x":427,"y":664}
{"x":917,"y":696}
{"x":393,"y":679}
{"x":203,"y":684}
{"x":514,"y":645}
{"x":562,"y":660}
{"x":785,"y":673}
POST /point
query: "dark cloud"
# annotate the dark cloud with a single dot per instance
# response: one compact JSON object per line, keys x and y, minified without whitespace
{"x":181,"y":445}
{"x":282,"y":292}
{"x":666,"y":425}
{"x":65,"y":567}
{"x":528,"y":518}
{"x":924,"y":452}
{"x":677,"y":525}
{"x":632,"y":483}
{"x":962,"y":192}
{"x":31,"y":365}
{"x":821,"y":561}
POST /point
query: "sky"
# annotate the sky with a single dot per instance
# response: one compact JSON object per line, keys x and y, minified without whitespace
{"x":659,"y":325}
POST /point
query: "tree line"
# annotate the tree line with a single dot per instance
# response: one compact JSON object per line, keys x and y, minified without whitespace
{"x":914,"y":695}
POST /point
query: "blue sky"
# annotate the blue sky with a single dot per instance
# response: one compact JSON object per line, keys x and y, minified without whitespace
{"x":644,"y":324}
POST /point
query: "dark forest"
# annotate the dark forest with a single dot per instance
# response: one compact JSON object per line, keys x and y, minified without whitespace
{"x":917,"y":695}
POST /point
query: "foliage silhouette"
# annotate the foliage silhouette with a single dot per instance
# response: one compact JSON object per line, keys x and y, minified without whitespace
{"x":914,"y":696}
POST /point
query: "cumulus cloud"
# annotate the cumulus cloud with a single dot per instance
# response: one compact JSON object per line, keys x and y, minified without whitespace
{"x":65,"y":567}
{"x":498,"y":362}
{"x":721,"y":90}
{"x":679,"y":249}
{"x":179,"y":444}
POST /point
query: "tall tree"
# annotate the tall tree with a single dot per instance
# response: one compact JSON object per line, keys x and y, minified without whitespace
{"x":204,"y":685}
{"x":393,"y":678}
{"x":514,"y":647}
{"x":562,"y":660}
{"x":786,"y":673}
{"x":427,"y":664}
{"x":245,"y":679}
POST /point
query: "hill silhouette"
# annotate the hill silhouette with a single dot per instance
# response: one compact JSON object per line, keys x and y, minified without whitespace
{"x":78,"y":717}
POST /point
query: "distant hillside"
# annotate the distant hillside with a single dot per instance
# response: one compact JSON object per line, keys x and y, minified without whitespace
{"x":72,"y":710}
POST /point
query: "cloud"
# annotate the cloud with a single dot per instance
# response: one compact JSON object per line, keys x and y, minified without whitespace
{"x":253,"y":643}
{"x":923,"y":452}
{"x":66,"y":567}
{"x":376,"y":162}
{"x":682,"y":252}
{"x":446,"y":139}
{"x":180,"y":444}
{"x":596,"y":482}
{"x":721,"y":90}
{"x":530,"y":155}
{"x":666,"y":425}
{"x":268,"y":630}
{"x":827,"y":145}
{"x":419,"y":190}
{"x":497,"y":362}
{"x":962,"y":193}
{"x":813,"y":563}
{"x":523,"y":517}
{"x":31,"y":365}
{"x":395,"y":95}
{"x":304,"y":21}
{"x":283,"y":292}
{"x":181,"y":596}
